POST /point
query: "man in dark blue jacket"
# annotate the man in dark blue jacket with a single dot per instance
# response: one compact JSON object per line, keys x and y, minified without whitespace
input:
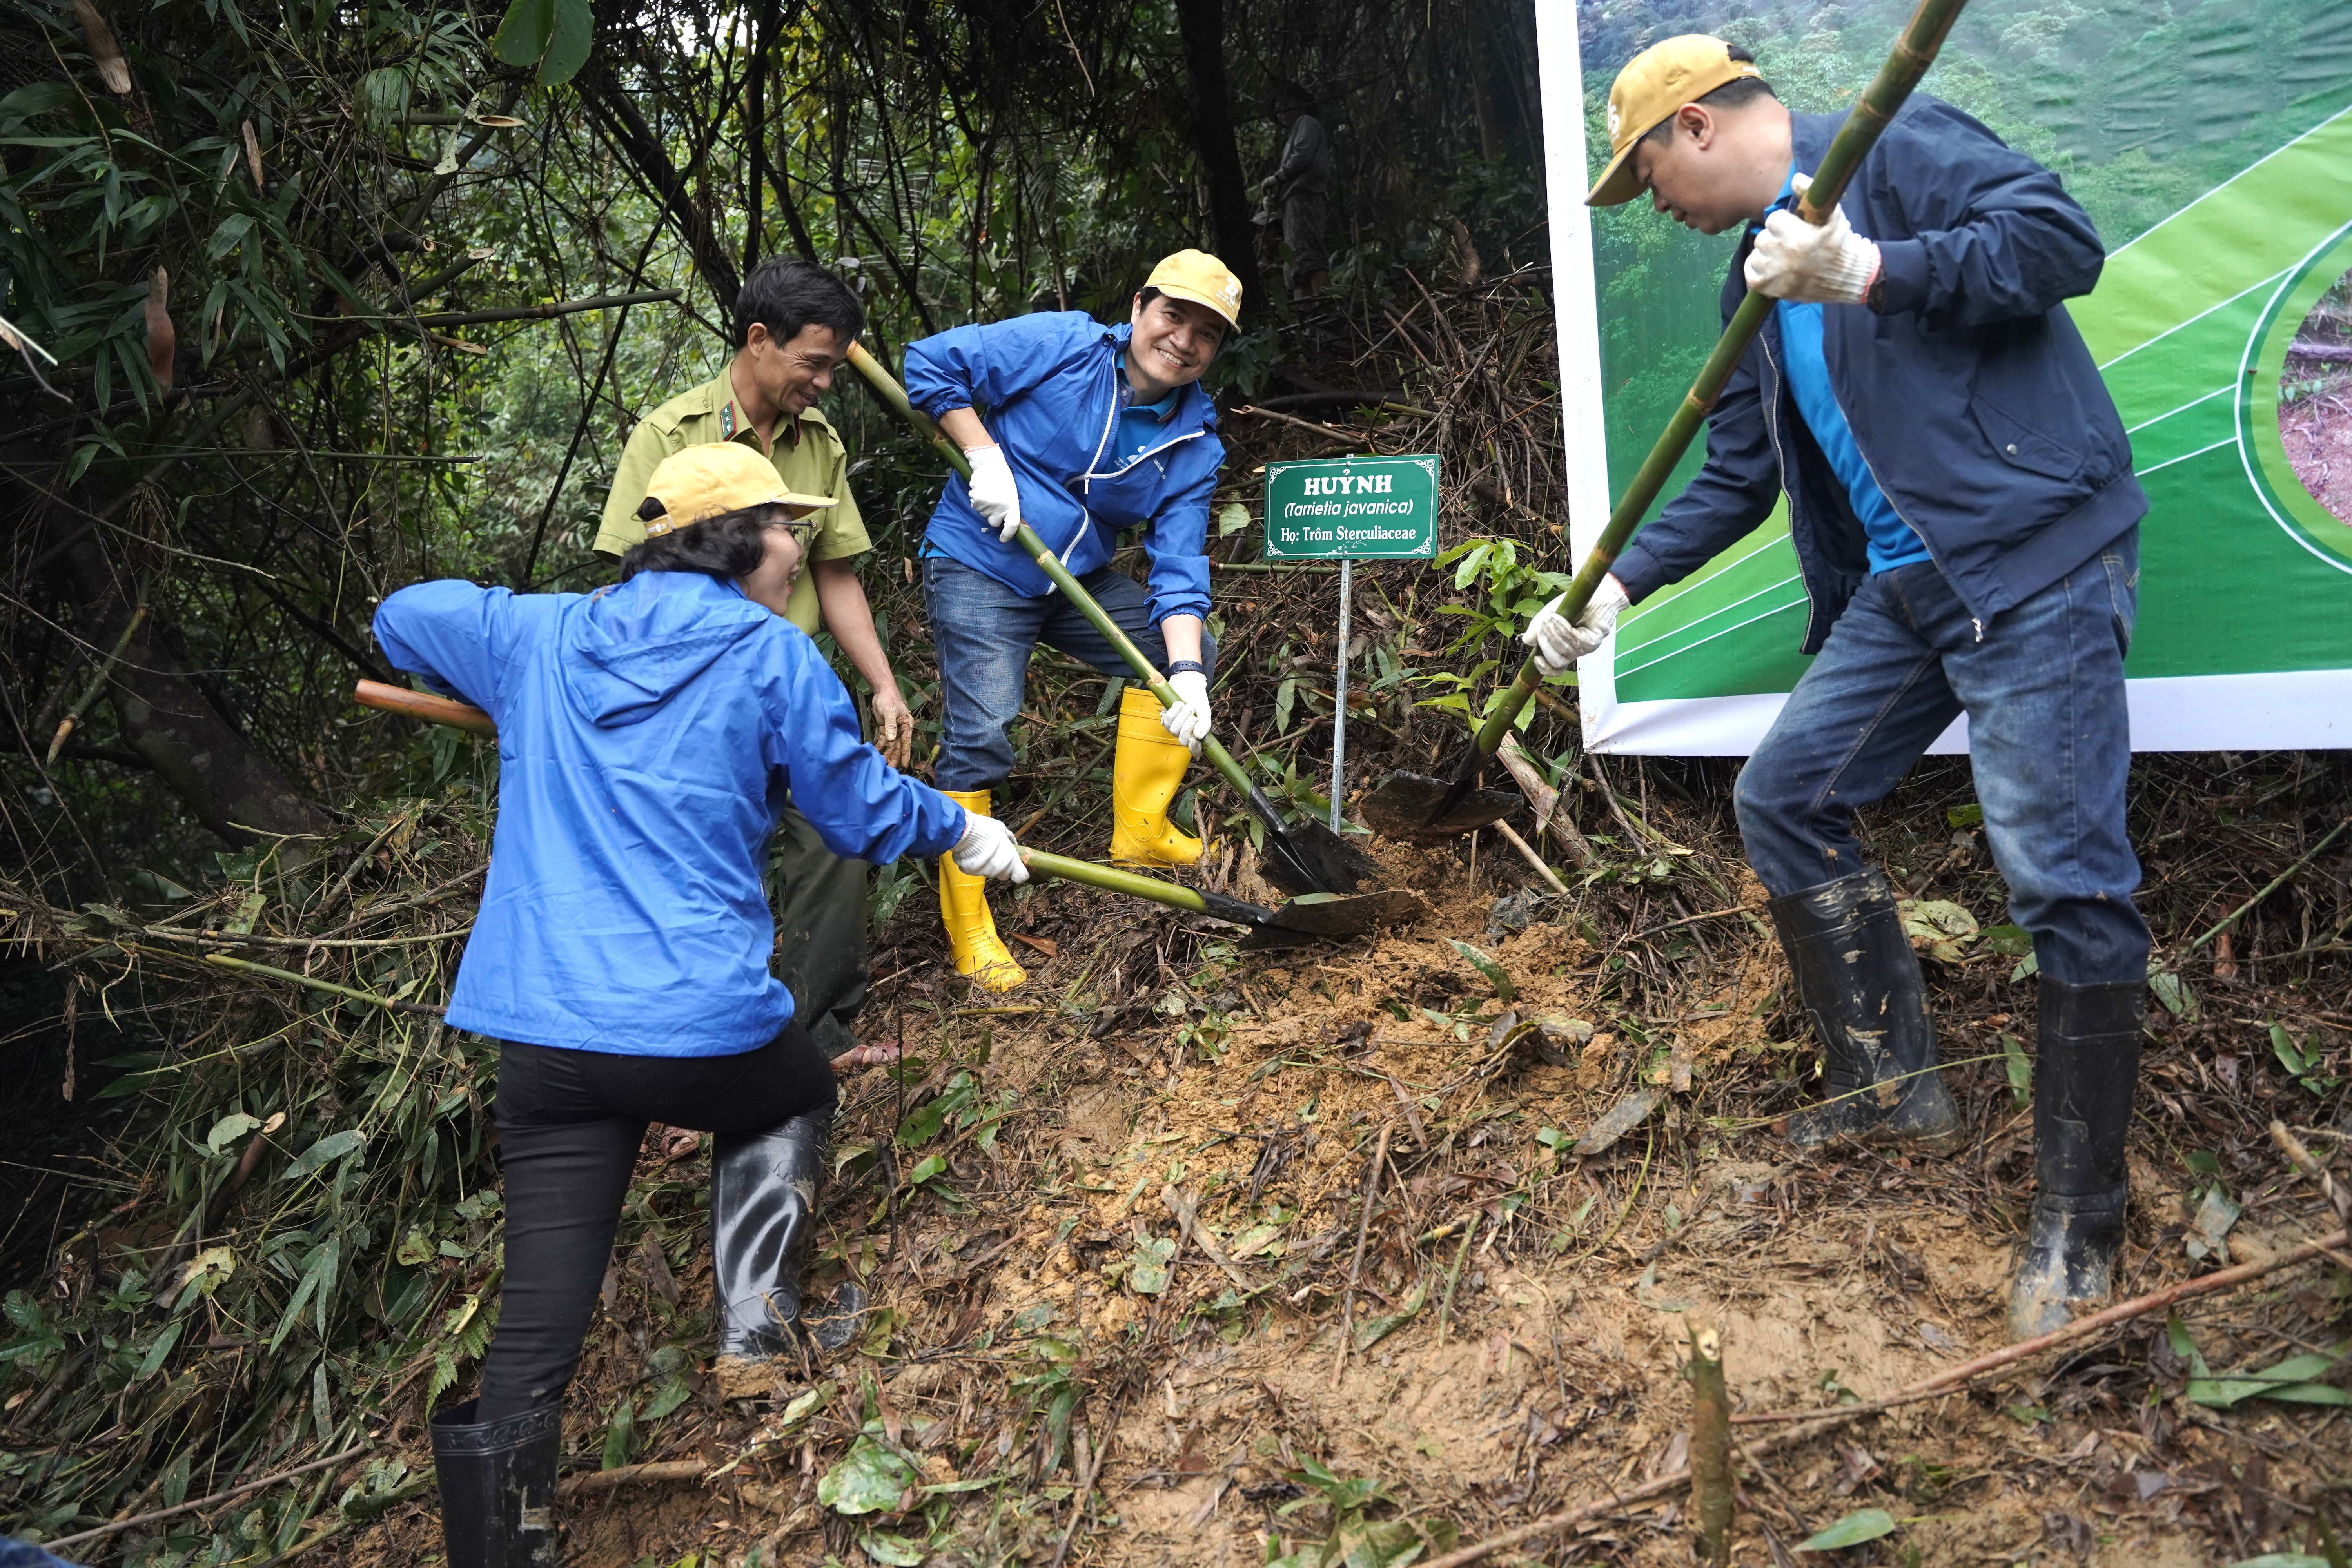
{"x":1961,"y":502}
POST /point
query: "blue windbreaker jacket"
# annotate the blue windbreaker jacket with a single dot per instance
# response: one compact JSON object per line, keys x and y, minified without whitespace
{"x":1972,"y":397}
{"x":648,"y":739}
{"x":1046,"y":387}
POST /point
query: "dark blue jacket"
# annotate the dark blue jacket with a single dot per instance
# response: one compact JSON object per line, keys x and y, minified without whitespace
{"x":1046,"y":388}
{"x":1971,"y":395}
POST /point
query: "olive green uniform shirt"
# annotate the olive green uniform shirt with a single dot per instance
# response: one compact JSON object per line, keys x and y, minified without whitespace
{"x":808,"y":455}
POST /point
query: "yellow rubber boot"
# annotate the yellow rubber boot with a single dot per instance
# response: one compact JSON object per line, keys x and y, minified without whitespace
{"x":1145,"y":775}
{"x":963,"y":907}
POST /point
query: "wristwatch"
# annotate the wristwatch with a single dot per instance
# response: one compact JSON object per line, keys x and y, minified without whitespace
{"x":1179,"y":667}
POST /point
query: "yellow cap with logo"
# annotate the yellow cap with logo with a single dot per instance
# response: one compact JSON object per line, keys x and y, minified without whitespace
{"x":1201,"y":277}
{"x":698,"y":482}
{"x":1653,"y":86}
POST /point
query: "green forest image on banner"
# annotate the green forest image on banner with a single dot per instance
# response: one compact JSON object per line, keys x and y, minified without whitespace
{"x":2210,"y":141}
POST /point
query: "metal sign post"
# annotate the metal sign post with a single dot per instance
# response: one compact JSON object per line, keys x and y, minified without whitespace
{"x":1350,"y":510}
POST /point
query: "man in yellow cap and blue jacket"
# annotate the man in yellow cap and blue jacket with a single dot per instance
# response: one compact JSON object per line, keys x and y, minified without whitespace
{"x":1080,"y":430}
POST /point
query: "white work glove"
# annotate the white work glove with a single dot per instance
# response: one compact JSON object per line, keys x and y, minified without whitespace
{"x":989,"y":850}
{"x":993,"y":492}
{"x":1189,"y":719}
{"x":1825,"y":264}
{"x":1557,"y":642}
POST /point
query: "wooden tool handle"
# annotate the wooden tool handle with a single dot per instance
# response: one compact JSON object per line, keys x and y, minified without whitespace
{"x":424,"y":705}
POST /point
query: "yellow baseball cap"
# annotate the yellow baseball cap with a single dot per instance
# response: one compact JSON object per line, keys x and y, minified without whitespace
{"x":697,"y":482}
{"x":1201,"y":277}
{"x":1653,"y":86}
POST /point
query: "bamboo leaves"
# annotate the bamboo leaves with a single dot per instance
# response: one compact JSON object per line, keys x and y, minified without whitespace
{"x":1862,"y":1524}
{"x":320,"y":1267}
{"x":870,"y":1479}
{"x":553,"y":35}
{"x":2296,"y":1379}
{"x":325,"y":1151}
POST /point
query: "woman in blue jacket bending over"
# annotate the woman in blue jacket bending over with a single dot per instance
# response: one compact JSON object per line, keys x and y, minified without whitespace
{"x":648,"y":736}
{"x":1080,"y":430}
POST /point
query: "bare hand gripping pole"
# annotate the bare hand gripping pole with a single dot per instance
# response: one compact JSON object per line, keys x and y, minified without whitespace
{"x":1301,"y":858}
{"x":1915,"y":51}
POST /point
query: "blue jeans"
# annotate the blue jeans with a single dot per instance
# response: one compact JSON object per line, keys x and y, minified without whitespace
{"x":983,"y":633}
{"x":2049,"y":741}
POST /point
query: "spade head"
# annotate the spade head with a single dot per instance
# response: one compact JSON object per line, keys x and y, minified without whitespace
{"x":1408,"y":805}
{"x":1327,"y":916}
{"x":1308,"y":857}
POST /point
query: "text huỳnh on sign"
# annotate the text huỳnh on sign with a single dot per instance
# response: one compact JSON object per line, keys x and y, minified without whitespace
{"x":1362,"y":509}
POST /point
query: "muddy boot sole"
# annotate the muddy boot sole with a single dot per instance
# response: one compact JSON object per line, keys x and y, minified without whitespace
{"x":2068,"y":1265}
{"x":1925,"y":1119}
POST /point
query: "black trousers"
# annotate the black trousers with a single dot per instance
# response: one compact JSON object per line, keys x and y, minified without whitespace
{"x":570,"y":1124}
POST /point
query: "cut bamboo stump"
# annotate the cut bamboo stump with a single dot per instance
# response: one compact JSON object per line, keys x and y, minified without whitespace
{"x":1710,"y":1447}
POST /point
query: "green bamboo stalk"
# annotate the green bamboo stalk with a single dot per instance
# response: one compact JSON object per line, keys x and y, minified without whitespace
{"x":894,"y":396}
{"x":1710,"y":1446}
{"x":1136,"y":885}
{"x":270,"y":972}
{"x":1913,"y":52}
{"x":96,"y":683}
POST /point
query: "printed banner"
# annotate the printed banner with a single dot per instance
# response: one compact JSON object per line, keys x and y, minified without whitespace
{"x":2212,"y":145}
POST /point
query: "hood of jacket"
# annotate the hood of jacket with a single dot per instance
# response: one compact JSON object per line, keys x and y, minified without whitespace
{"x":628,"y":650}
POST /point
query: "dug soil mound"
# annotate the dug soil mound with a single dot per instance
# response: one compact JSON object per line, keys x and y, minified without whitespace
{"x":1367,"y":1252}
{"x":1377,"y":1251}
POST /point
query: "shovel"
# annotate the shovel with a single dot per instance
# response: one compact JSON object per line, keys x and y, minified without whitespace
{"x":1417,"y":804}
{"x":1313,"y":917}
{"x":1317,"y":917}
{"x":1300,"y":857}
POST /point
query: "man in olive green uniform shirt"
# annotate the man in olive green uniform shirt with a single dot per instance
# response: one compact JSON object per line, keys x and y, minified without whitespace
{"x":794,"y":325}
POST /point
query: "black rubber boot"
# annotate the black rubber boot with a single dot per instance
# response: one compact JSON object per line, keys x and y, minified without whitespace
{"x":763,"y":1188}
{"x":2084,"y":1078}
{"x":1861,"y":985}
{"x":497,"y":1481}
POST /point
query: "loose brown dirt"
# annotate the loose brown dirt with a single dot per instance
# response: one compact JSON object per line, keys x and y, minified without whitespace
{"x":1541,"y":1304}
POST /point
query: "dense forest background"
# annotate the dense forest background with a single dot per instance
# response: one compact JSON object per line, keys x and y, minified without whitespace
{"x":319,"y":281}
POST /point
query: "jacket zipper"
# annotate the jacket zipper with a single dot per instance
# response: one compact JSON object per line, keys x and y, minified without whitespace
{"x":1087,"y":479}
{"x":1772,"y":429}
{"x":1925,"y":543}
{"x":1897,"y":510}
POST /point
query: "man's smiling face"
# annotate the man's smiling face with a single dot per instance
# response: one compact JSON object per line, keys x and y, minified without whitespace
{"x":1174,"y":342}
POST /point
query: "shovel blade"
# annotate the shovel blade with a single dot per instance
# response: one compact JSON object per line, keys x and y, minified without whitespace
{"x":1327,"y":917}
{"x":1406,"y":806}
{"x":1308,"y":857}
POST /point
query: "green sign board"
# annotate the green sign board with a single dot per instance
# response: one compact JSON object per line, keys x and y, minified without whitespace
{"x":1358,"y":508}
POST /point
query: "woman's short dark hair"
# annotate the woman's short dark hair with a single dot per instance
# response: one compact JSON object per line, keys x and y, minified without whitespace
{"x":728,"y":546}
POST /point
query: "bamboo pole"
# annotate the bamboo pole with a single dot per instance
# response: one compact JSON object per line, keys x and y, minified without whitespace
{"x":1710,"y":1446}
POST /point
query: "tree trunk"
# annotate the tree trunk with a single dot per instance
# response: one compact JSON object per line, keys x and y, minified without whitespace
{"x":200,"y":756}
{"x":1203,"y":24}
